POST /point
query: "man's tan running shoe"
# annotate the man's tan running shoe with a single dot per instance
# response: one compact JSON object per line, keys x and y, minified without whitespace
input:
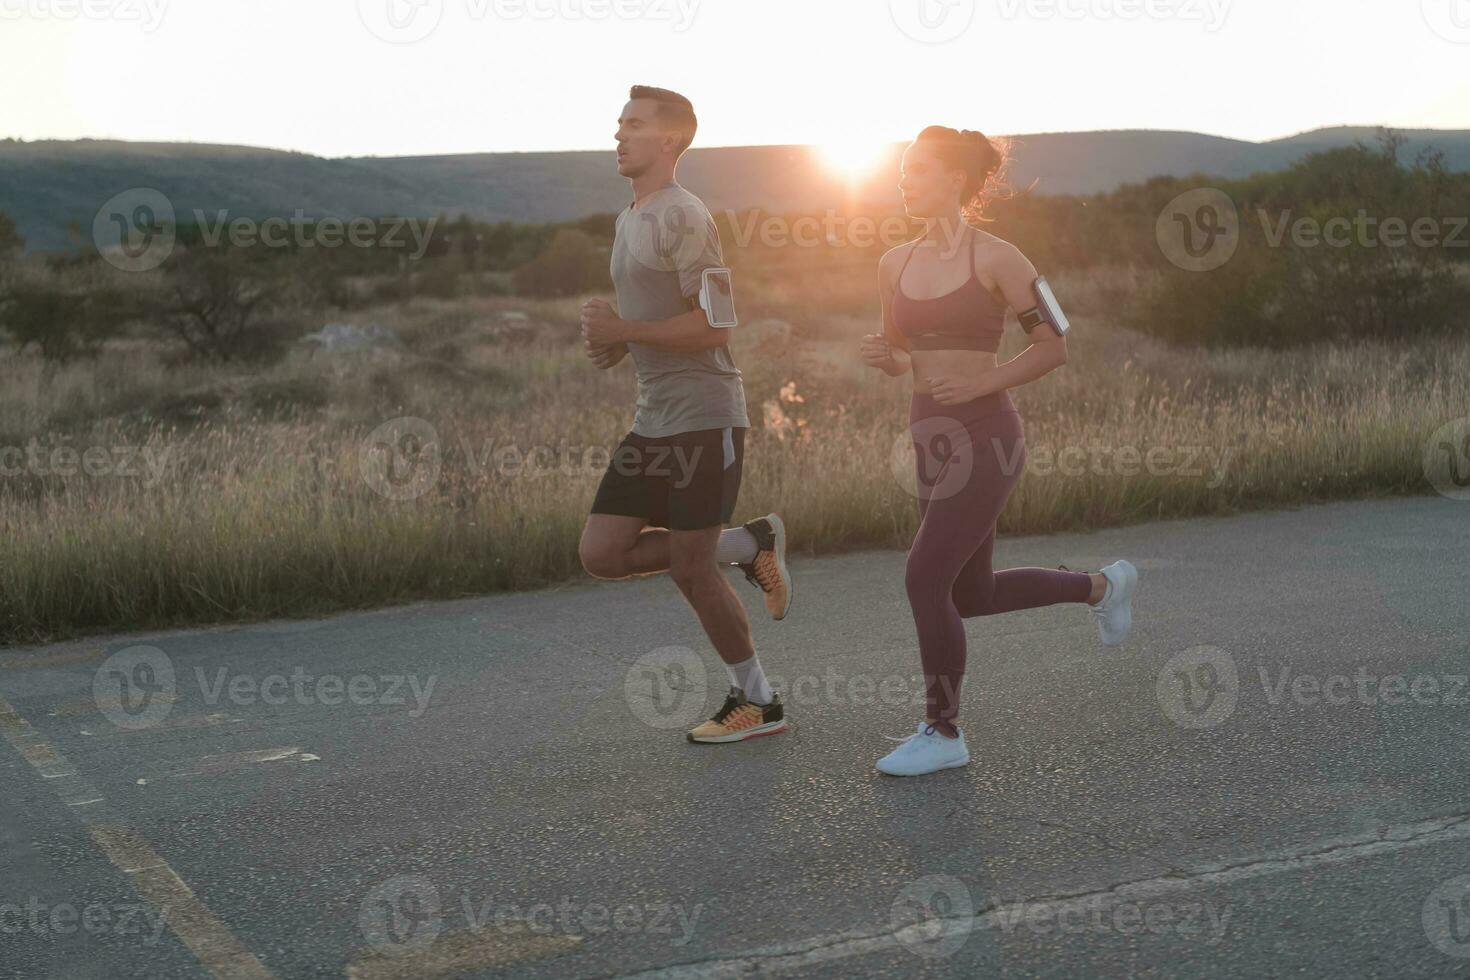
{"x":768,"y":570}
{"x":739,"y":719}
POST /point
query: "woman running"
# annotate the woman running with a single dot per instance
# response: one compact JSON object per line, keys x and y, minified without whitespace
{"x":944,"y":300}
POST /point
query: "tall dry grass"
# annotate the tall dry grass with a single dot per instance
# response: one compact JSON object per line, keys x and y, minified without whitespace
{"x":265,"y":499}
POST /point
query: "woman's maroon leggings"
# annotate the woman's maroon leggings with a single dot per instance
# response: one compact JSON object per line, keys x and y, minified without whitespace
{"x":969,"y":458}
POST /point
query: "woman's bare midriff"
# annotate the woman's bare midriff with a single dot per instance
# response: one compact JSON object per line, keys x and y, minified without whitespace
{"x":949,"y":362}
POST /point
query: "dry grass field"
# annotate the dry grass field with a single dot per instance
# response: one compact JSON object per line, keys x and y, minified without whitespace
{"x":138,"y":493}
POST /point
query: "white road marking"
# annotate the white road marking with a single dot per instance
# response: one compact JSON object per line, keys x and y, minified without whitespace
{"x":804,"y":954}
{"x":199,"y":929}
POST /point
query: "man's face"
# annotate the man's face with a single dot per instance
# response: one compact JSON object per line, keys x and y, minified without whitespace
{"x":641,"y":137}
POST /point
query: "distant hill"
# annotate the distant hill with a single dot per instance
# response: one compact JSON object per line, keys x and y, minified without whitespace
{"x":45,"y":184}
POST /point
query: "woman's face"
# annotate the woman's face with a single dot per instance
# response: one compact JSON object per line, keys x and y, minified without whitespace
{"x":930,"y":188}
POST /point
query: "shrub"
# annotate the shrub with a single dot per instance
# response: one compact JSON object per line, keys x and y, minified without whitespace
{"x":1281,"y":288}
{"x":571,"y":264}
{"x":11,"y":244}
{"x":65,"y":316}
{"x":223,"y":306}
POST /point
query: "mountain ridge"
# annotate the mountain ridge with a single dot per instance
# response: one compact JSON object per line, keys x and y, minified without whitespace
{"x":44,"y":184}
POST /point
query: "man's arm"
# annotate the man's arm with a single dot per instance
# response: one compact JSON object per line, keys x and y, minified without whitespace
{"x":605,"y":356}
{"x":686,"y":332}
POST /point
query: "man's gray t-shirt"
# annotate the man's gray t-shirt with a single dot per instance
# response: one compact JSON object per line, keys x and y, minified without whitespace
{"x":659,"y":253}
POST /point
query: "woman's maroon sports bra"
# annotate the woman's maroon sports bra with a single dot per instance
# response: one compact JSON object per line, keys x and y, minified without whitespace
{"x":967,"y":318}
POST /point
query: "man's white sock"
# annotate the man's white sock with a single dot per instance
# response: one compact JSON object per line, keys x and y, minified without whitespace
{"x":737,"y":546}
{"x":749,"y":677}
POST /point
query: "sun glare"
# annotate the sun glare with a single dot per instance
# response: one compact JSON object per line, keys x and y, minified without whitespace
{"x":852,"y":159}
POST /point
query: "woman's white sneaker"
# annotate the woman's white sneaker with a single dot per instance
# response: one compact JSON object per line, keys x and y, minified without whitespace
{"x":1114,"y":612}
{"x":925,"y":752}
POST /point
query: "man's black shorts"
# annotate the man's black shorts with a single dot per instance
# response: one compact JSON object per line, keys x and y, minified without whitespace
{"x":684,"y":482}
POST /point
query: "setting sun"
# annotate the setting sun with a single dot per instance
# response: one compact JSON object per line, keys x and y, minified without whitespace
{"x":854,"y":159}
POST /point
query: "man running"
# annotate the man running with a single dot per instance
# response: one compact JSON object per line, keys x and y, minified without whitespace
{"x":669,"y":492}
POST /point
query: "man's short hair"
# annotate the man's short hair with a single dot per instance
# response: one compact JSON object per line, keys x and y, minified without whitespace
{"x":674,"y":111}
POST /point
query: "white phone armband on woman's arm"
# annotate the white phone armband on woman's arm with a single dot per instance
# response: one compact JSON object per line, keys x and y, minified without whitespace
{"x":1046,"y":310}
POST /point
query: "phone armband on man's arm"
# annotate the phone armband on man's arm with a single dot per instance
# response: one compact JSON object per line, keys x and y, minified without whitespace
{"x":717,"y":297}
{"x":1046,"y":310}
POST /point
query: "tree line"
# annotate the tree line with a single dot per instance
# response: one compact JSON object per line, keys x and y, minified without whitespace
{"x":1346,"y":243}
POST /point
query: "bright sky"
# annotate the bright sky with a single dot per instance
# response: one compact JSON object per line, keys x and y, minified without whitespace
{"x":489,"y":75}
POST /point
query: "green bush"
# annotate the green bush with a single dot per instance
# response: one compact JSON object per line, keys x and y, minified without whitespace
{"x":223,"y":305}
{"x":571,"y":264}
{"x":1281,"y":288}
{"x":11,"y":244}
{"x":64,"y":315}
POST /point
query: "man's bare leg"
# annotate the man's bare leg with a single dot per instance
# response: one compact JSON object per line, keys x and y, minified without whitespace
{"x":753,"y":709}
{"x":694,"y":571}
{"x":614,"y":546}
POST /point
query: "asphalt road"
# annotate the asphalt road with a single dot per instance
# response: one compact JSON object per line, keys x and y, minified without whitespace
{"x":1269,"y":778}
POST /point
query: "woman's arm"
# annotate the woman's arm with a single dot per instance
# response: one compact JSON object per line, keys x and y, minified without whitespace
{"x":888,"y":351}
{"x":1014,"y":274}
